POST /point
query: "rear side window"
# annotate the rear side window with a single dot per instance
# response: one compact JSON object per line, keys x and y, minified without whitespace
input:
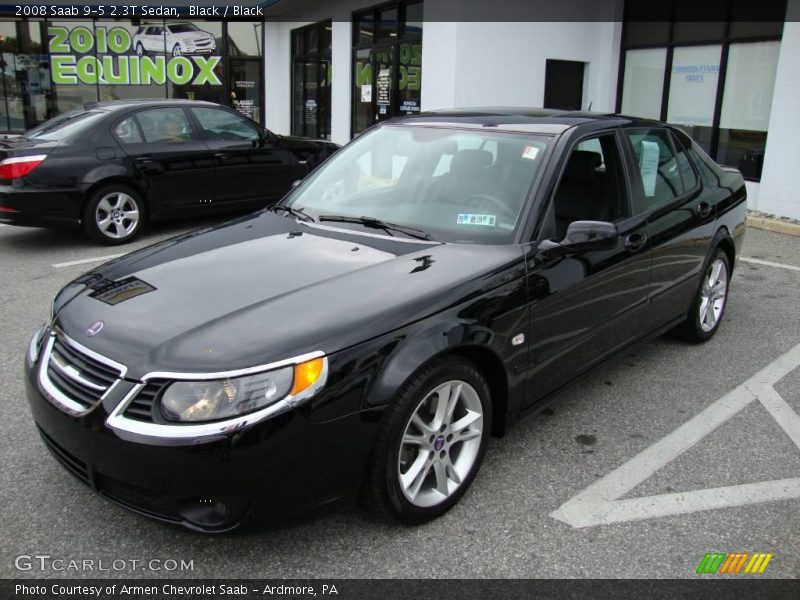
{"x":685,"y":168}
{"x":659,"y":169}
{"x":165,"y":125}
{"x":127,"y":132}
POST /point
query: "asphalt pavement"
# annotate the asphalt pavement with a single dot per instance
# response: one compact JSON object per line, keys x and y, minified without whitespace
{"x":668,"y":453}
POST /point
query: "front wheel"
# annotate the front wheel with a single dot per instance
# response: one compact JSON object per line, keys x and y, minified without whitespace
{"x":114,"y":215}
{"x":708,"y":307}
{"x":139,"y":49}
{"x":177,"y":50}
{"x":432,"y":442}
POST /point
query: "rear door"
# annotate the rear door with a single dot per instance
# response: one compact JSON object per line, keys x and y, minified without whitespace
{"x":251,"y":168}
{"x":680,"y":218}
{"x":171,"y":160}
{"x":585,"y":306}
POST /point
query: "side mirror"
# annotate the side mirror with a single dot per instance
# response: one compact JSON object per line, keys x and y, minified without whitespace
{"x":583,"y":236}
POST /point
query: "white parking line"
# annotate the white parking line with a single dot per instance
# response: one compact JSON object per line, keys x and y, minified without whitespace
{"x":766,"y":263}
{"x":600,"y":503}
{"x":86,"y":261}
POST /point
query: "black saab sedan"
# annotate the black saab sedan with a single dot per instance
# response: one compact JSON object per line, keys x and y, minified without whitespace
{"x":114,"y":166}
{"x":434,"y":281}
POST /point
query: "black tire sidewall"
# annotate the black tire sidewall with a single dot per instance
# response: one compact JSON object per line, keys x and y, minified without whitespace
{"x":410,"y":397}
{"x":90,"y":208}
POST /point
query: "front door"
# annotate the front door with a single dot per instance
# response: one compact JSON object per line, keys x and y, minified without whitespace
{"x":586,"y":305}
{"x":250,"y":167}
{"x":174,"y":165}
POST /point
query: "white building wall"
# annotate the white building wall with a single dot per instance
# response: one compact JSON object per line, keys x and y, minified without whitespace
{"x":778,"y":193}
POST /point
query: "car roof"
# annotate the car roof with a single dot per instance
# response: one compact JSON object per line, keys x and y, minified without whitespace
{"x":522,"y":120}
{"x":115,"y":105}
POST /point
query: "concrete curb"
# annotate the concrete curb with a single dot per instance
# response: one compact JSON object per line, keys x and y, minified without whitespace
{"x":775,"y":225}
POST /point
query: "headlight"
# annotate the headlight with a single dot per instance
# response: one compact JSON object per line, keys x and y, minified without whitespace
{"x":197,"y":401}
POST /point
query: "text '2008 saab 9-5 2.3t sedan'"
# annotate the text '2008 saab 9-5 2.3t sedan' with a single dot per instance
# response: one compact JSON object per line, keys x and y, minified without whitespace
{"x":438,"y":278}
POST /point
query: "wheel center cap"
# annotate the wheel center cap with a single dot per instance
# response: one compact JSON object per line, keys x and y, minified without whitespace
{"x":438,"y":443}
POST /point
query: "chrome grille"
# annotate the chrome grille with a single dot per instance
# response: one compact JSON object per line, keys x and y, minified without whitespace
{"x":74,"y":377}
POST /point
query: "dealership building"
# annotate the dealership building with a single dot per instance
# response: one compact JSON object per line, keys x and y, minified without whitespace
{"x":332,"y":68}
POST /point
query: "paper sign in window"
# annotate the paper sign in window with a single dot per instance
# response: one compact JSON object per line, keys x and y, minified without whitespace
{"x":648,"y":167}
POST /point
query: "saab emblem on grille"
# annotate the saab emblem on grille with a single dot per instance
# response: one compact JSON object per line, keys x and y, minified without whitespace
{"x":94,"y":328}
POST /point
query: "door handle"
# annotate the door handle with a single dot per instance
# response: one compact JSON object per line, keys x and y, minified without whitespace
{"x":221,"y":155}
{"x":635,"y":241}
{"x":703,"y":209}
{"x":143,"y":160}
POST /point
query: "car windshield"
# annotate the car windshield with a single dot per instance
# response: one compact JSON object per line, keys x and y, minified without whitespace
{"x":182,"y":28}
{"x":455,"y":185}
{"x":63,"y":126}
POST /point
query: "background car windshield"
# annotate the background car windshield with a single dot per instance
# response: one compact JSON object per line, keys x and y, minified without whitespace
{"x":459,"y":186}
{"x":182,"y":28}
{"x":63,"y":126}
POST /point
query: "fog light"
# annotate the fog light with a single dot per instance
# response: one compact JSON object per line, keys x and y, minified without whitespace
{"x":213,"y":513}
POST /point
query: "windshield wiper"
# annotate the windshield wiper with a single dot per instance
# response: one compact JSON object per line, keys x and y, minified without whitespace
{"x":374,"y":223}
{"x":297,"y":212}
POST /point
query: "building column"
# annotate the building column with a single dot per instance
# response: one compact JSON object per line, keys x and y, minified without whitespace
{"x":341,"y":85}
{"x":778,"y":192}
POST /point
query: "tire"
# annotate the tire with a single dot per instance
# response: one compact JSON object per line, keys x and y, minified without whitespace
{"x":447,"y":460}
{"x":139,"y":49}
{"x":176,"y":50}
{"x":708,"y":305}
{"x":114,"y":214}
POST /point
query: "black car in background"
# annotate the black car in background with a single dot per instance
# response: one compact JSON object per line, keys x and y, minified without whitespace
{"x":437,"y":279}
{"x":114,"y":166}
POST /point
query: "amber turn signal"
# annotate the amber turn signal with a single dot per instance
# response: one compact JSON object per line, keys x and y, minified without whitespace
{"x":306,"y":374}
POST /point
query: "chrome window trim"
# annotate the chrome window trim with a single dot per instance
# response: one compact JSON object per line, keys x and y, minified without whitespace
{"x":56,"y":396}
{"x":189,"y":431}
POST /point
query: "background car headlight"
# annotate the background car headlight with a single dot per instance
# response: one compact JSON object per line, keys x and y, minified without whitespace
{"x":220,"y":399}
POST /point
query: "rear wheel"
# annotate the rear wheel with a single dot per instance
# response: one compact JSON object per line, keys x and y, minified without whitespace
{"x":114,"y":215}
{"x":708,"y":307}
{"x":431,"y":442}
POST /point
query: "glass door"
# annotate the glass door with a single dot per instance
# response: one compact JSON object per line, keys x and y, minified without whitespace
{"x":244,"y":87}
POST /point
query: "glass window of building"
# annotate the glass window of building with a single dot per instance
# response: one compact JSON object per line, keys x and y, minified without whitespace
{"x":693,"y":91}
{"x":644,"y":82}
{"x":746,"y":103}
{"x":51,"y":67}
{"x":387,"y":63}
{"x":311,"y":80}
{"x":712,"y":78}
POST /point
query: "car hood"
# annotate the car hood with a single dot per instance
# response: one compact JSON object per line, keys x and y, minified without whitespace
{"x":264,"y":288}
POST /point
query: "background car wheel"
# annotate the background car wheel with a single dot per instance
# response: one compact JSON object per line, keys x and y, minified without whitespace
{"x":114,"y":215}
{"x":708,"y":307}
{"x":176,"y":50}
{"x":139,"y":49}
{"x":431,"y":442}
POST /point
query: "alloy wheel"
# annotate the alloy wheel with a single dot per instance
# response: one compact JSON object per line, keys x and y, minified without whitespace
{"x":176,"y":50}
{"x":117,"y":215}
{"x":440,"y":444}
{"x":713,"y":295}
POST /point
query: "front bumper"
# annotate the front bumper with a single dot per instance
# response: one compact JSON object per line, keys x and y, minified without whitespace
{"x":282,"y":465}
{"x":33,"y":206}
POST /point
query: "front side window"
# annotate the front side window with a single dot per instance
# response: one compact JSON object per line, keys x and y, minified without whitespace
{"x":221,"y":125}
{"x":166,"y":125}
{"x":459,"y":186}
{"x":592,"y":185}
{"x":182,"y":28}
{"x":659,"y":170}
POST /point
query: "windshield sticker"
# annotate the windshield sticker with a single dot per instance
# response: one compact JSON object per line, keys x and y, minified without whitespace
{"x":468,"y":219}
{"x":530,"y":152}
